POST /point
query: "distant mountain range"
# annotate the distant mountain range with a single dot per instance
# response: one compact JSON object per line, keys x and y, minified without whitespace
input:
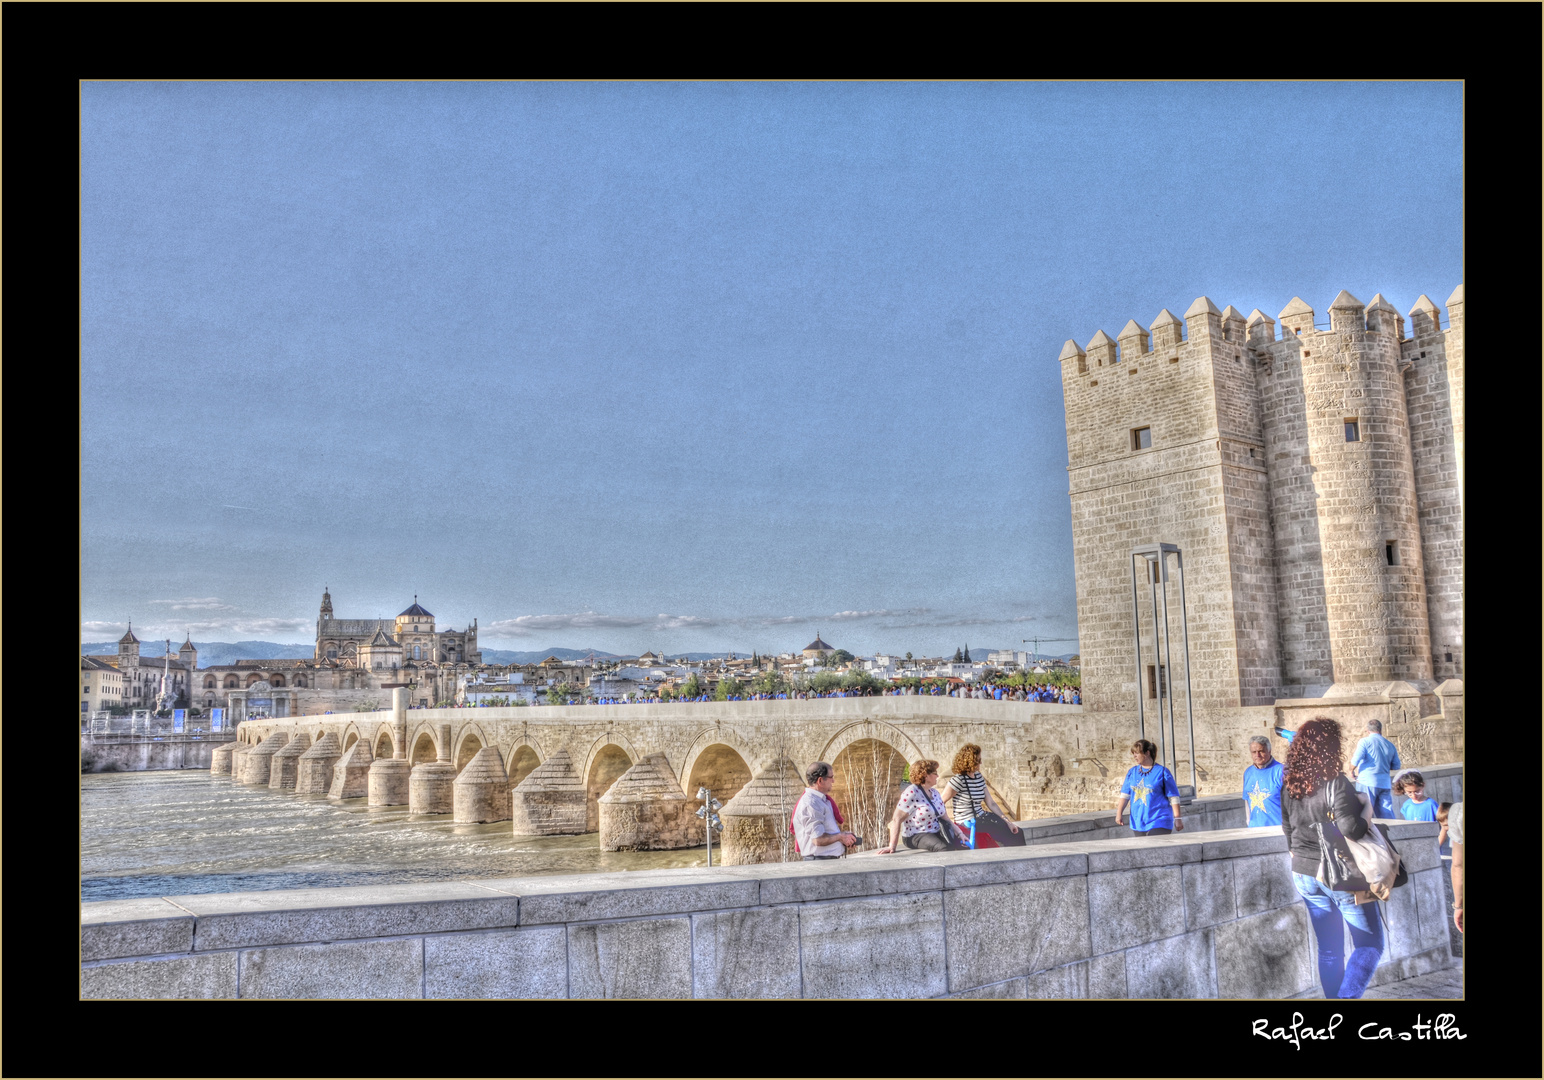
{"x":215,"y":653}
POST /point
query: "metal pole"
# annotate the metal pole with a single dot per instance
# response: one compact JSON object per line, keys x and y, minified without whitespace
{"x":1158,"y":656}
{"x":1136,"y":641}
{"x":1168,"y":649}
{"x":707,"y":825}
{"x":1184,"y":625}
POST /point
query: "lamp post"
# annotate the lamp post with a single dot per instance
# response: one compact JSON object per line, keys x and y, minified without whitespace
{"x":710,"y":820}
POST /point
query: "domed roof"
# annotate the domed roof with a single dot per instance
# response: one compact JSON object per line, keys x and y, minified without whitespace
{"x":818,"y":644}
{"x":417,"y":610}
{"x":129,"y":638}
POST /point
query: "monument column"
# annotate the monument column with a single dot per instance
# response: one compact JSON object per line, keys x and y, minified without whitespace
{"x":388,"y":776}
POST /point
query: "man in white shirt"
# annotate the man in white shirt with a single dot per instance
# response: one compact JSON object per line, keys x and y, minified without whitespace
{"x":814,"y":823}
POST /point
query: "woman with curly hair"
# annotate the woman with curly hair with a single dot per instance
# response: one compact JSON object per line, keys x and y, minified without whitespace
{"x":970,"y":799}
{"x":919,"y":820}
{"x":1315,"y":790}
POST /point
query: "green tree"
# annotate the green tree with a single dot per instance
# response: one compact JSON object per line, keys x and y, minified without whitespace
{"x":728,"y":687}
{"x":956,"y":656}
{"x":967,"y":654}
{"x":692,"y":687}
{"x":841,"y":656}
{"x":908,"y":658}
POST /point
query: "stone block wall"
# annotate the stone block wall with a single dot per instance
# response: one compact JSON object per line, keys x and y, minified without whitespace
{"x":1206,"y":915}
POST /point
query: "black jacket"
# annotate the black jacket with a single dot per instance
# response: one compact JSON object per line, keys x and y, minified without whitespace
{"x":1298,"y":817}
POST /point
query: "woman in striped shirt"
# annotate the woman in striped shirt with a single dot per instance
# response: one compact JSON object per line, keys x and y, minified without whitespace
{"x":971,"y":800}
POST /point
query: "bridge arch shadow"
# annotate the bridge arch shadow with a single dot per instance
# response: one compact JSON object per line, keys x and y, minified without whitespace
{"x":385,"y":743}
{"x":719,"y":767}
{"x":610,"y":757}
{"x":521,"y":759}
{"x":472,"y":739}
{"x":424,"y":748}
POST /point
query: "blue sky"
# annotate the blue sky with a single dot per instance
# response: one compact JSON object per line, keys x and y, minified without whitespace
{"x":673,"y":366}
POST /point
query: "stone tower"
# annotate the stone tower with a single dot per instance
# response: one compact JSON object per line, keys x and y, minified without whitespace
{"x":1312,"y":483}
{"x":128,"y":650}
{"x":188,"y":654}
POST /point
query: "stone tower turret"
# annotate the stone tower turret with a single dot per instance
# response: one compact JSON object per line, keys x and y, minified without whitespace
{"x":188,"y":654}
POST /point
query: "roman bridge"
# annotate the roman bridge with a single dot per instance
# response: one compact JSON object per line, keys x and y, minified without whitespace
{"x":629,"y":771}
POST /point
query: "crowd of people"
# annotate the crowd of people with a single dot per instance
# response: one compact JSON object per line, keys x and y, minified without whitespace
{"x":1042,"y":692}
{"x":1302,"y":795}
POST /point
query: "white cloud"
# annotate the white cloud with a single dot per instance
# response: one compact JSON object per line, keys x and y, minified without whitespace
{"x":296,"y":630}
{"x":196,"y":603}
{"x":527,"y":625}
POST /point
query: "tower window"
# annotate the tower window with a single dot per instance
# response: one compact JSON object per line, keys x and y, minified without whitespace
{"x":1157,"y":678}
{"x":1448,"y":656}
{"x":1391,"y":552}
{"x":1141,"y":438}
{"x":1353,"y":430}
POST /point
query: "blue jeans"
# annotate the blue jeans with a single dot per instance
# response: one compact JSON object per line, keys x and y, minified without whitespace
{"x":1331,"y":912}
{"x":1382,"y":800}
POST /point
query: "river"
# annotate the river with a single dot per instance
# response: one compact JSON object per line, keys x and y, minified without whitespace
{"x":176,"y":833}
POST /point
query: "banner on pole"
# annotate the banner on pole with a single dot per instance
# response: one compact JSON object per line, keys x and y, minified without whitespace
{"x":179,"y":719}
{"x":216,"y":719}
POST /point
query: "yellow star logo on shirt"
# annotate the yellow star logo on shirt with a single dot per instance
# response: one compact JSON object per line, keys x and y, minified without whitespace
{"x":1139,"y":793}
{"x":1257,"y":797}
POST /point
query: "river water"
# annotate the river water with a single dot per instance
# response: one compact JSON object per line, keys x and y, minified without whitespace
{"x":175,"y":833}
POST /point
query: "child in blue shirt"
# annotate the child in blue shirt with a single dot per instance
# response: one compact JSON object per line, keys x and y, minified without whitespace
{"x":1152,"y":793}
{"x":1412,"y":785}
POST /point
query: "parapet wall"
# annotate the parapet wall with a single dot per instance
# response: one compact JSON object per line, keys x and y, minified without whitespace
{"x":1208,"y":915}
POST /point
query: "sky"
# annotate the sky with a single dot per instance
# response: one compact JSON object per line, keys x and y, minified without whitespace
{"x":673,"y":366}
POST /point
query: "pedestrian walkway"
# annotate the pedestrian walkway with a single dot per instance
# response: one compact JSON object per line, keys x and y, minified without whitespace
{"x":1448,"y":983}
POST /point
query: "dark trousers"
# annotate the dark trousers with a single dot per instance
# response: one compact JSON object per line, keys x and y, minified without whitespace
{"x":1151,"y":832}
{"x":930,"y":841}
{"x":998,"y":830}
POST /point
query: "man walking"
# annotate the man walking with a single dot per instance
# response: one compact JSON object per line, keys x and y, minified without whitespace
{"x":815,"y":827}
{"x":1373,"y":759}
{"x":1262,"y":784}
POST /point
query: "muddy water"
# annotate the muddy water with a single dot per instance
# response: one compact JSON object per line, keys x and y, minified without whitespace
{"x":172,"y":833}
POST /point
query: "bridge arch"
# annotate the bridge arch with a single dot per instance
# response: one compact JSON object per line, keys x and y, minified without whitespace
{"x":610,"y":756}
{"x":350,"y":735}
{"x":521,"y":760}
{"x":423,"y":745}
{"x":871,"y":759}
{"x":385,"y":742}
{"x":719,"y":759}
{"x":471,"y":740}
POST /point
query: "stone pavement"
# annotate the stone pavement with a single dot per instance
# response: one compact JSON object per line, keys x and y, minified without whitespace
{"x":1448,"y":983}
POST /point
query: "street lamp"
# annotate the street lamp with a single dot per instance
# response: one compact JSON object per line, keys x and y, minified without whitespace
{"x":710,"y":820}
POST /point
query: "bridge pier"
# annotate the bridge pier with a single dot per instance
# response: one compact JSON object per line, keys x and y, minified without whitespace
{"x":258,"y":761}
{"x":550,"y":800}
{"x":220,"y":760}
{"x":481,"y":792}
{"x":285,"y":767}
{"x":431,"y":785}
{"x":313,"y":772}
{"x":756,"y":819}
{"x":389,"y":776}
{"x":646,"y":810}
{"x":351,"y":775}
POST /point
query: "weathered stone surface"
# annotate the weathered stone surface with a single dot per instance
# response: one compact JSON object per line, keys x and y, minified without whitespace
{"x":220,"y":760}
{"x":139,"y":927}
{"x":756,"y":819}
{"x":646,"y":810}
{"x":1069,"y":982}
{"x":881,"y":947}
{"x":1242,"y":842}
{"x":231,"y":920}
{"x":313,"y":772}
{"x":1143,"y":851}
{"x":1403,"y":935}
{"x":805,"y":881}
{"x":1000,"y":865}
{"x":481,"y":791}
{"x":212,"y":976}
{"x":431,"y":788}
{"x":1263,"y":883}
{"x":997,"y":932}
{"x":1134,"y":906}
{"x":1011,"y":990}
{"x":1177,"y":967}
{"x":284,"y":768}
{"x":347,"y":969}
{"x":551,"y":800}
{"x":1210,"y":894}
{"x":1432,"y":909}
{"x":1107,"y":976}
{"x":351,"y":774}
{"x":388,"y":784}
{"x":750,"y":953}
{"x":1269,"y":955}
{"x":255,"y":762}
{"x":1420,"y":854}
{"x":581,"y":897}
{"x":497,"y":964}
{"x":644,"y":959}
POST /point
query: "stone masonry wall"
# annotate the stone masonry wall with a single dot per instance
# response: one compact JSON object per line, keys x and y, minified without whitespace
{"x":1208,"y":915}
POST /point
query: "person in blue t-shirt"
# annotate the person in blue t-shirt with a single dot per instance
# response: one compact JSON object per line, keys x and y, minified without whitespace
{"x":1417,"y":807}
{"x":1152,"y":793}
{"x":1373,"y":759}
{"x":1262,"y":784}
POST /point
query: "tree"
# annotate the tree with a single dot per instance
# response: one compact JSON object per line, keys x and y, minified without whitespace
{"x":841,"y":656}
{"x":728,"y":687}
{"x":908,"y":658}
{"x":692,"y":687}
{"x":956,"y":656}
{"x":967,"y":654}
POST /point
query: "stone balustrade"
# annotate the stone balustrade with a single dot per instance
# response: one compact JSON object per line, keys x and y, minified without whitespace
{"x":1203,"y":914}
